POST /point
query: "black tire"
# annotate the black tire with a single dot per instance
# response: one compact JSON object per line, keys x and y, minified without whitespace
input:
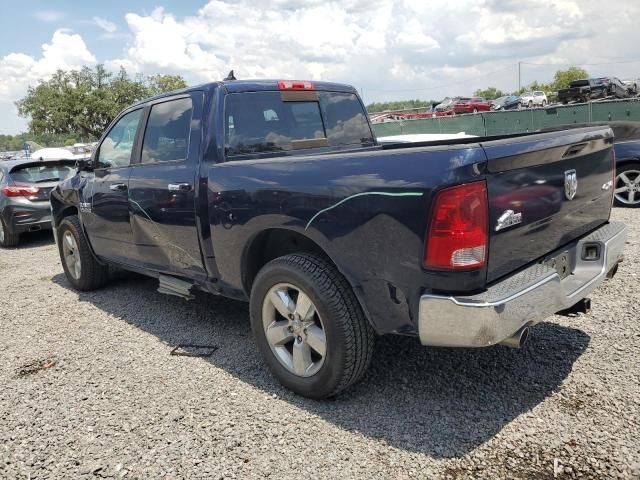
{"x":92,"y":275}
{"x":632,"y":171}
{"x":349,"y":337}
{"x":7,"y":238}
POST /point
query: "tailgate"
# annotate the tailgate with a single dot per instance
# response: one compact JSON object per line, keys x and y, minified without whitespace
{"x":545,"y":190}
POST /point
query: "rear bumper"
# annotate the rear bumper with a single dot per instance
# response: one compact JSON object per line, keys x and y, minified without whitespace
{"x":525,"y":298}
{"x":20,"y":219}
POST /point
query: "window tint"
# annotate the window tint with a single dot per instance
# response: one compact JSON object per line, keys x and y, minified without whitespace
{"x":344,"y":119}
{"x":166,"y":137}
{"x":262,"y":122}
{"x":115,"y":150}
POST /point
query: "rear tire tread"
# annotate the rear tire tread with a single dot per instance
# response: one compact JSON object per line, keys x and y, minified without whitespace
{"x":358,"y":333}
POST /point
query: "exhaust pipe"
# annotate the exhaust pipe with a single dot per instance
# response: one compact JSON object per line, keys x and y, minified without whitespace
{"x":518,"y":339}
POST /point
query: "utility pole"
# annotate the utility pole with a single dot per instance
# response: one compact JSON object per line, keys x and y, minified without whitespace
{"x":519,"y":82}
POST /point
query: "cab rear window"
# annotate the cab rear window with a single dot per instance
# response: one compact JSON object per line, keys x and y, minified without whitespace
{"x":262,"y":122}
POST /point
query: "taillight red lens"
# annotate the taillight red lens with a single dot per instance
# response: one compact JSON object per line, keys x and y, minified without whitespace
{"x":20,"y":191}
{"x":295,"y":85}
{"x":458,"y":237}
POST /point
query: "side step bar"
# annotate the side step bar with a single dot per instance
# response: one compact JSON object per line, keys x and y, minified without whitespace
{"x":175,"y":286}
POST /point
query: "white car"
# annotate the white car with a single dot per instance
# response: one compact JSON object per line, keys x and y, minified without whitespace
{"x":632,"y":86}
{"x":534,"y":99}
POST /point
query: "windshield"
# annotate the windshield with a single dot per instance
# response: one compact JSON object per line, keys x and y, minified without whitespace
{"x":259,"y":122}
{"x":43,"y":173}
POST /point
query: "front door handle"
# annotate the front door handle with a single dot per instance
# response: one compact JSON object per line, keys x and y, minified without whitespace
{"x":179,"y":187}
{"x":118,"y":187}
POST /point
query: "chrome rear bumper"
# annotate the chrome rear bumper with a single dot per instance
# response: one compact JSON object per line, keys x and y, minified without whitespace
{"x":525,"y":298}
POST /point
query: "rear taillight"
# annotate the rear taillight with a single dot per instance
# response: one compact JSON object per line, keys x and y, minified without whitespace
{"x":20,"y":191}
{"x":458,"y":237}
{"x":295,"y":85}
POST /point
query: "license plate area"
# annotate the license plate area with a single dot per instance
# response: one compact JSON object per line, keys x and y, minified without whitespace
{"x":560,"y":263}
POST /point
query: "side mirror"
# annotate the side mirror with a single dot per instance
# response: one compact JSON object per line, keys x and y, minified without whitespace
{"x":84,"y":165}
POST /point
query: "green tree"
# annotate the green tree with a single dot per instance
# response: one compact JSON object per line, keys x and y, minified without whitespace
{"x":83,"y":102}
{"x":490,"y":93}
{"x":563,"y":78}
{"x":166,"y":83}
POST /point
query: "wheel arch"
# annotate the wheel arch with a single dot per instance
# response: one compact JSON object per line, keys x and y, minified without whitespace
{"x":276,"y":242}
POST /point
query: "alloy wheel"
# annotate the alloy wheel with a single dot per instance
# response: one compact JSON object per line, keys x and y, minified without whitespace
{"x":627,"y":189}
{"x":1,"y":231}
{"x":294,"y":330}
{"x":71,"y":255}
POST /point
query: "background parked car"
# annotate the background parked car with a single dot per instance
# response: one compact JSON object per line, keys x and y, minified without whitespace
{"x":592,"y":88}
{"x":445,"y":107}
{"x":534,"y":99}
{"x":627,"y":149}
{"x":24,"y":195}
{"x":632,"y":86}
{"x":508,"y":102}
{"x":471,"y":105}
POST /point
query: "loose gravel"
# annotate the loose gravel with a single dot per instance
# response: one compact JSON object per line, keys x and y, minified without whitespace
{"x":89,"y":389}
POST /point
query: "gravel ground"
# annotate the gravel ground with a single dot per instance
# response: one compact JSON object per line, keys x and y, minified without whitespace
{"x":90,"y":390}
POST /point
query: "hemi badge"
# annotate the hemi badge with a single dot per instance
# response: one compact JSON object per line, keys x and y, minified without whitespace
{"x":508,"y":219}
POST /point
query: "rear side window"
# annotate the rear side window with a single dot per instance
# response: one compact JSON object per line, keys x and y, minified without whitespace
{"x":42,"y":173}
{"x":166,"y":137}
{"x":260,"y":122}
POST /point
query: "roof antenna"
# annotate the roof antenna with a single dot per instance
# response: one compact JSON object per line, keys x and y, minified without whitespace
{"x":231,"y":76}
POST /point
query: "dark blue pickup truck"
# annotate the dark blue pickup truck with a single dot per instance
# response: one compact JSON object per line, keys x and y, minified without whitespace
{"x":277,"y":192}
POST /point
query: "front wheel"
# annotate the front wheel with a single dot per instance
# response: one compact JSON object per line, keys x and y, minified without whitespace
{"x":544,"y":103}
{"x":627,"y":186}
{"x":530,"y":104}
{"x":80,"y":266}
{"x":309,"y":326}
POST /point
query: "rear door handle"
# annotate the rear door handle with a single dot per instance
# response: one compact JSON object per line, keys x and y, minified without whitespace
{"x":179,"y":187}
{"x":118,"y":187}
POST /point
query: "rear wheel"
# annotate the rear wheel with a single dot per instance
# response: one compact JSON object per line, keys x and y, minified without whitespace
{"x":7,"y":238}
{"x":530,"y":104}
{"x":627,"y":186}
{"x":475,"y":110}
{"x":309,"y":326}
{"x":80,"y":266}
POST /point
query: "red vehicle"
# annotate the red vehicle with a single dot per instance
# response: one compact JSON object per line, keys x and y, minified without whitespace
{"x":471,"y":105}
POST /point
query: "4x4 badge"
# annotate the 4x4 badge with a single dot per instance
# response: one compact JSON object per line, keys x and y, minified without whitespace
{"x":508,"y":219}
{"x":570,"y":184}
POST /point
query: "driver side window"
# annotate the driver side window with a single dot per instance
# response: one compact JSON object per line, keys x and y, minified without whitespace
{"x":115,"y":150}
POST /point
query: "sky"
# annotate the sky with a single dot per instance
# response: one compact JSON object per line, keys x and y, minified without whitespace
{"x":388,"y":49}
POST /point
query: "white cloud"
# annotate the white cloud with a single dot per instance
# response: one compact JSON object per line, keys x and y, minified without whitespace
{"x":17,"y":71}
{"x":392,"y":49}
{"x":48,"y":16}
{"x":104,"y":24}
